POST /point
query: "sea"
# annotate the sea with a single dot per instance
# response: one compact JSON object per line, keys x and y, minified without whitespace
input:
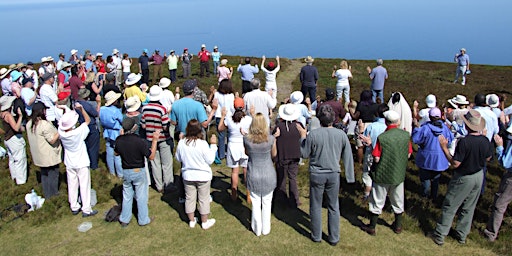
{"x":433,"y":30}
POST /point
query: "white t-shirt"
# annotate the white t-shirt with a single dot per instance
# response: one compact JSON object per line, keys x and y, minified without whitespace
{"x":343,"y":75}
{"x":234,"y":128}
{"x":26,"y":95}
{"x":75,"y":151}
{"x":196,"y":158}
{"x":167,"y":99}
{"x":48,"y":97}
{"x":33,"y":74}
{"x":126,"y":65}
{"x":117,"y":61}
{"x":225,"y":100}
{"x":270,"y":76}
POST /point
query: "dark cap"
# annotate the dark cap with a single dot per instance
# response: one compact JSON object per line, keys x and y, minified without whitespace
{"x":329,"y":93}
{"x":47,"y":76}
{"x":128,"y":123}
{"x":38,"y":106}
{"x":26,"y":80}
{"x":189,"y":86}
{"x":480,"y":100}
{"x":30,"y":63}
{"x":111,"y":77}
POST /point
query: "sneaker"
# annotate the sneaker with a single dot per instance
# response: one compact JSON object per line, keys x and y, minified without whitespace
{"x":208,"y":224}
{"x":181,"y":200}
{"x":463,"y":83}
{"x":488,"y":235}
{"x":123,"y":225}
{"x":92,"y":213}
{"x":193,"y":223}
{"x":438,"y":240}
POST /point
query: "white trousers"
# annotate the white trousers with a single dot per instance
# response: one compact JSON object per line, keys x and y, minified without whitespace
{"x":17,"y":159}
{"x":271,"y":86}
{"x":79,"y":178}
{"x":378,"y":197}
{"x":261,"y":211}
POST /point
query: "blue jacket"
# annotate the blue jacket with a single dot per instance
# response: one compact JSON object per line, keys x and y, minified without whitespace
{"x":430,"y":156}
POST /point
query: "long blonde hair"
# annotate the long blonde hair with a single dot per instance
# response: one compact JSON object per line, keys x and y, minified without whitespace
{"x":343,"y":64}
{"x":258,"y":131}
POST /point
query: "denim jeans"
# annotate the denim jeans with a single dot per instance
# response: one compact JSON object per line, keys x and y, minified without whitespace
{"x":430,"y":182}
{"x":378,"y":93}
{"x":221,"y":141}
{"x":134,"y":181}
{"x":113,"y":162}
{"x":330,"y":184}
{"x":215,"y":66}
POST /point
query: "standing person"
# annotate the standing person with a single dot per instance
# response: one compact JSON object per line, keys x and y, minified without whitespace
{"x":154,"y":118}
{"x":13,"y":140}
{"x":93,"y":139}
{"x":186,"y":63}
{"x":64,"y":76}
{"x":422,"y":116}
{"x":503,"y":197}
{"x":75,"y":83}
{"x":261,"y":175}
{"x":133,"y":151}
{"x":196,"y":156}
{"x":430,"y":158}
{"x":126,"y":63}
{"x":157,"y":60}
{"x":28,"y":95}
{"x":288,"y":154}
{"x":61,"y":60}
{"x":237,"y":124}
{"x":224,"y":72}
{"x":399,"y":104}
{"x":119,"y":67}
{"x":204,"y":61}
{"x":48,"y":96}
{"x":462,"y":60}
{"x":325,"y":147}
{"x":216,"y":59}
{"x":172,"y":62}
{"x":111,"y":66}
{"x":225,"y":98}
{"x":74,"y":59}
{"x":337,"y":107}
{"x":167,"y":98}
{"x":76,"y":160}
{"x":144,"y":66}
{"x":471,"y":154}
{"x":308,"y":78}
{"x":365,"y":111}
{"x":378,"y":75}
{"x":247,"y":72}
{"x":32,"y":74}
{"x":305,"y":111}
{"x":45,"y":149}
{"x":390,"y":157}
{"x":261,"y":101}
{"x":342,"y":84}
{"x":111,"y":118}
{"x":270,"y":75}
{"x":132,"y":89}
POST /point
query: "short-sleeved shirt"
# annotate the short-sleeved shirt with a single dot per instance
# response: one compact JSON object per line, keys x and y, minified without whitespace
{"x":26,"y":95}
{"x":186,"y":109}
{"x":144,"y":62}
{"x":342,"y":75}
{"x":48,"y":97}
{"x":154,"y":117}
{"x":247,"y":71}
{"x":75,"y":150}
{"x":378,"y":75}
{"x":132,"y":150}
{"x":472,"y":152}
{"x":463,"y":59}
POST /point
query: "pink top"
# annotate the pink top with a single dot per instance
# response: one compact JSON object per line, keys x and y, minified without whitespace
{"x":223,"y":73}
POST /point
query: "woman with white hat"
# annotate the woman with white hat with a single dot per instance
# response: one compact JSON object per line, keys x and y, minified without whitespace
{"x":14,"y":141}
{"x":131,"y":88}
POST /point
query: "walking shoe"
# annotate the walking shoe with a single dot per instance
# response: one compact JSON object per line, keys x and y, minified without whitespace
{"x":332,"y":243}
{"x":123,"y":225}
{"x":397,"y":230}
{"x":208,"y":224}
{"x":438,"y":240}
{"x":463,"y":83}
{"x":193,"y":223}
{"x":368,"y":230}
{"x":75,"y":212}
{"x":488,"y":235}
{"x":92,"y":213}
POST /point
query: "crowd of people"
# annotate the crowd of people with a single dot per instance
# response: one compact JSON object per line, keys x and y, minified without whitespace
{"x":64,"y":105}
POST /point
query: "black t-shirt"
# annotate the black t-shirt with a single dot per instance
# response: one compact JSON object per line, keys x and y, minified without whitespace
{"x":110,"y":87}
{"x":367,"y":113}
{"x":472,"y":152}
{"x":132,"y":150}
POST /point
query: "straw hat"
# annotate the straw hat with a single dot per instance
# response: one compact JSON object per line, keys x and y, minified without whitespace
{"x":155,"y":93}
{"x":132,"y":79}
{"x":83,"y":93}
{"x":296,"y":97}
{"x":20,"y":65}
{"x":65,"y":65}
{"x":289,"y":112}
{"x":4,"y":72}
{"x":164,"y":82}
{"x":458,"y":100}
{"x":492,"y":100}
{"x":44,"y":59}
{"x":474,"y":120}
{"x":132,"y":104}
{"x":309,"y":59}
{"x":111,"y":97}
{"x":6,"y":102}
{"x":68,"y":120}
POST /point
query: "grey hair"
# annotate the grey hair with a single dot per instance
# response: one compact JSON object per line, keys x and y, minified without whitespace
{"x":379,"y":62}
{"x":255,"y":83}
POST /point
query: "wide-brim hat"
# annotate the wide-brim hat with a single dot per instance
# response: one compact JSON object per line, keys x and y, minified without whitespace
{"x":132,"y":104}
{"x":309,"y":59}
{"x":4,"y":72}
{"x":44,"y":59}
{"x":74,"y":51}
{"x":15,"y":75}
{"x":492,"y":100}
{"x":68,"y":120}
{"x":6,"y":102}
{"x":132,"y":79}
{"x":65,"y":65}
{"x":289,"y":112}
{"x":164,"y":82}
{"x":20,"y":65}
{"x":391,"y":116}
{"x":458,"y":100}
{"x":203,"y":46}
{"x":296,"y":97}
{"x":115,"y":51}
{"x":474,"y":120}
{"x":155,"y":93}
{"x":83,"y":93}
{"x":111,"y":97}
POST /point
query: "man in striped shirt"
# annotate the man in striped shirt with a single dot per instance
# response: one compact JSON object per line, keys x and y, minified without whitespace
{"x":154,"y":117}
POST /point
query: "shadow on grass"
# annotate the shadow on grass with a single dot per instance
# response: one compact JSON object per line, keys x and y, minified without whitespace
{"x":293,"y":217}
{"x":172,"y":198}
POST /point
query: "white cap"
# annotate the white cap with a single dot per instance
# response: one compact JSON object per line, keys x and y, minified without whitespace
{"x":431,"y":100}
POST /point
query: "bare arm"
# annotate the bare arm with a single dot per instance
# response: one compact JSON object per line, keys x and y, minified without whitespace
{"x":222,"y":126}
{"x":444,"y":145}
{"x":154,"y":143}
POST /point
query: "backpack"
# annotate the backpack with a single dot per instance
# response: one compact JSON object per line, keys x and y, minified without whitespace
{"x":113,"y":214}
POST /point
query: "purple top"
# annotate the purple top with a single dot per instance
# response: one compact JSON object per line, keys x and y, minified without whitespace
{"x":430,"y":156}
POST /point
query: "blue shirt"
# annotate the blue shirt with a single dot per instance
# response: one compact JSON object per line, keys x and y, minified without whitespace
{"x":247,"y":71}
{"x":90,"y":110}
{"x":378,"y":75}
{"x":186,"y":109}
{"x":375,"y":129}
{"x":144,"y":62}
{"x":111,"y":119}
{"x":462,"y":59}
{"x":505,"y":158}
{"x":89,"y":66}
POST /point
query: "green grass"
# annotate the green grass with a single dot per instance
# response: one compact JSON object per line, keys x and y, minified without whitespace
{"x":53,"y":229}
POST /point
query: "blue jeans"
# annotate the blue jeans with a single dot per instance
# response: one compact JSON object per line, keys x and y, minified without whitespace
{"x":134,"y":180}
{"x":378,"y":93}
{"x":93,"y":146}
{"x":221,"y":141}
{"x":215,"y":65}
{"x":430,"y":182}
{"x":330,"y":184}
{"x":113,"y":161}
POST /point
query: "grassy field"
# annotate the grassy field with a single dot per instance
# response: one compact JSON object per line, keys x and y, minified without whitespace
{"x":53,"y":229}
